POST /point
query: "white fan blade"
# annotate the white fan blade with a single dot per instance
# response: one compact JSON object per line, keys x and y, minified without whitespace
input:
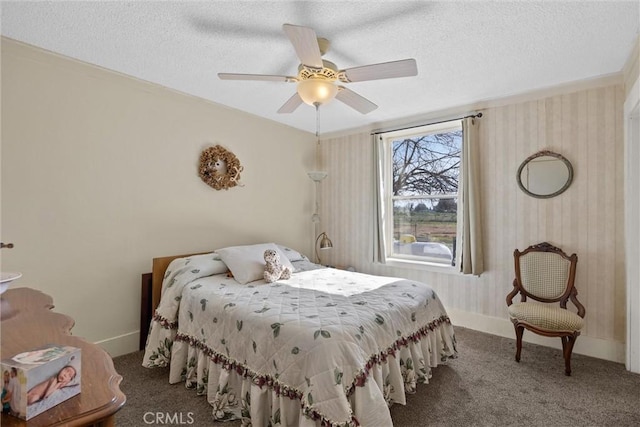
{"x":355,"y":101}
{"x":385,"y":70}
{"x":266,"y":77}
{"x":291,"y":104}
{"x":305,"y":42}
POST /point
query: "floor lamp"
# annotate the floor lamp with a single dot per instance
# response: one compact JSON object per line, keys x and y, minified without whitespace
{"x":325,"y":242}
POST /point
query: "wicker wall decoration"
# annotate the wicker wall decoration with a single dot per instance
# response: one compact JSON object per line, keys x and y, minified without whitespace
{"x":220,"y":168}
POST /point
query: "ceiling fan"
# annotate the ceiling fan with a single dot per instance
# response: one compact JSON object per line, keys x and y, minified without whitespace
{"x":317,"y":77}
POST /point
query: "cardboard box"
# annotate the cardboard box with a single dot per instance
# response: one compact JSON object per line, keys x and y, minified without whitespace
{"x":37,"y":380}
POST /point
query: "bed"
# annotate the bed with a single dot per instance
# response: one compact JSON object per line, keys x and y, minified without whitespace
{"x":327,"y":347}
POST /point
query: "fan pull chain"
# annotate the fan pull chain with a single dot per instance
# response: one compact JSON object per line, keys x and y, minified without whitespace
{"x":317,"y":105}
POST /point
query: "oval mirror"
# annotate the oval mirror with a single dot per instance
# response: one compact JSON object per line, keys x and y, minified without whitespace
{"x":544,"y":174}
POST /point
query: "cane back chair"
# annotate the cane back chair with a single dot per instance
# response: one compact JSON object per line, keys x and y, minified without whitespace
{"x":546,"y":274}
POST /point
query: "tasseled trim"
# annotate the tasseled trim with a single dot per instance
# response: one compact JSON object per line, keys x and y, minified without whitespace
{"x":165,"y":323}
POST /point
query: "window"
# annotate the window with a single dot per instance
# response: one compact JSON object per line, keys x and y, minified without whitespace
{"x":420,"y":173}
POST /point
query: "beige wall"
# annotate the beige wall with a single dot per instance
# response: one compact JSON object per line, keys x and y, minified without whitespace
{"x":585,"y":126}
{"x":99,"y":175}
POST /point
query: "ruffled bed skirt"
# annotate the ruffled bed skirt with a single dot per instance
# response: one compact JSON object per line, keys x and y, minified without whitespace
{"x":236,"y":396}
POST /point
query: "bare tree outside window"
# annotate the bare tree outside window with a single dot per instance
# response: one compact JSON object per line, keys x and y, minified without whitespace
{"x":428,"y":164}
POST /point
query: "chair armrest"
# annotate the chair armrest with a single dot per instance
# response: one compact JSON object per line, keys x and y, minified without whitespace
{"x":513,"y":293}
{"x":574,"y":300}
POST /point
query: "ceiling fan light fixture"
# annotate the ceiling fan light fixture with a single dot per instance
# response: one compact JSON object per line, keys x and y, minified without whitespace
{"x":317,"y":78}
{"x":316,"y":91}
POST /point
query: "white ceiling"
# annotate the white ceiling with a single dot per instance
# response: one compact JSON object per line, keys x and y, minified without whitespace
{"x":466,"y":51}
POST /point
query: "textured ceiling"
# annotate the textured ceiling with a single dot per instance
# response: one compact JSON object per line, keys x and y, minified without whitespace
{"x":466,"y":51}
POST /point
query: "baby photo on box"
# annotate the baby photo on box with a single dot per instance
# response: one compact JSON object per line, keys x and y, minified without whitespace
{"x":37,"y":380}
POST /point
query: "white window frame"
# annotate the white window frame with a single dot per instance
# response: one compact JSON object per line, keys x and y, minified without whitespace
{"x":407,"y":260}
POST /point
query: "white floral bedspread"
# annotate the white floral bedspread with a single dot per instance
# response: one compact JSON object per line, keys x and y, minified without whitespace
{"x":315,"y":337}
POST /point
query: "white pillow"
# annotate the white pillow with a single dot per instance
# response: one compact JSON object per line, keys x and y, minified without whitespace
{"x":247,"y":262}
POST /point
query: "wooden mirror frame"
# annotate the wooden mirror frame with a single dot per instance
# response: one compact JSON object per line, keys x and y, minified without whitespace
{"x":543,"y":153}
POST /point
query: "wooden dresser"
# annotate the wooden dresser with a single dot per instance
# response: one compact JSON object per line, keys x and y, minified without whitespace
{"x":27,"y":323}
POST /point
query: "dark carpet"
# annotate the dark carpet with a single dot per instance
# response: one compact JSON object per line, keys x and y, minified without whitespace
{"x":484,"y":386}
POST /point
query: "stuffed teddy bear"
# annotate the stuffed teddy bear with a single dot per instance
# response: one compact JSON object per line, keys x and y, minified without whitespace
{"x":274,"y":270}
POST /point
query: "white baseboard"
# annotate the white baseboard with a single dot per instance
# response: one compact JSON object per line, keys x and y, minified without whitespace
{"x":122,"y":344}
{"x":594,"y":347}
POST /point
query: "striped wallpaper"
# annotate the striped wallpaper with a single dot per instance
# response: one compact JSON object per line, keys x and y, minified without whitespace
{"x":585,"y":126}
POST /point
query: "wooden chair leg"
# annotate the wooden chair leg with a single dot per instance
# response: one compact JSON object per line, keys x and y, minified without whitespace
{"x":567,"y":349}
{"x":519,"y":332}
